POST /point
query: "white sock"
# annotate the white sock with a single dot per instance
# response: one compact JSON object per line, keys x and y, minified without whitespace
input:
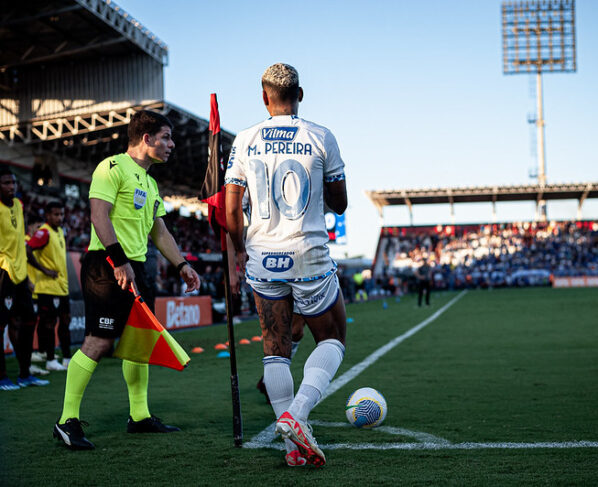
{"x":279,"y":384}
{"x":319,"y":370}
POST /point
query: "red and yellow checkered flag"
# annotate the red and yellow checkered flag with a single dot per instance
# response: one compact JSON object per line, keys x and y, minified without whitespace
{"x":146,"y":341}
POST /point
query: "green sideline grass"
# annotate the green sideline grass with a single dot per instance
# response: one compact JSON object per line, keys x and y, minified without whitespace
{"x":515,"y":365}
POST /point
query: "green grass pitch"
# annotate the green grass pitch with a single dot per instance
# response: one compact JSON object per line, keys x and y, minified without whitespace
{"x":497,"y":373}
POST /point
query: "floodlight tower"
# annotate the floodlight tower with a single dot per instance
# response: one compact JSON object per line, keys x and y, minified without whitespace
{"x":539,"y":36}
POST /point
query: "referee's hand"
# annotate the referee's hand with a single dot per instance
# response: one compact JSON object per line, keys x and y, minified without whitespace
{"x":124,"y":275}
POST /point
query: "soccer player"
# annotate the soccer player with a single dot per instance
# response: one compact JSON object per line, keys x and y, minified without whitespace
{"x":49,"y":248}
{"x":290,"y":167}
{"x":125,"y":208}
{"x":34,"y":221}
{"x":16,"y":305}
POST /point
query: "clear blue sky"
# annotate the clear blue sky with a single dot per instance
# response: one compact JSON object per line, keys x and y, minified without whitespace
{"x":413,"y":91}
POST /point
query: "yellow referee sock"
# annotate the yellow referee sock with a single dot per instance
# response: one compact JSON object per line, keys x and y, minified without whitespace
{"x":137,"y":378}
{"x":79,"y":372}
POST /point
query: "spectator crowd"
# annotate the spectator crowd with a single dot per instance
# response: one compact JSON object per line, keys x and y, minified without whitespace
{"x":493,"y":255}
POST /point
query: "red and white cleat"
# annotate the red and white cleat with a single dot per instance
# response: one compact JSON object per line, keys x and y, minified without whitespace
{"x":301,"y":435}
{"x":294,"y":459}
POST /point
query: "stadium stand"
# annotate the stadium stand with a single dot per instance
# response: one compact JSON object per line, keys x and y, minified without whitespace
{"x":490,"y":255}
{"x":72,"y":73}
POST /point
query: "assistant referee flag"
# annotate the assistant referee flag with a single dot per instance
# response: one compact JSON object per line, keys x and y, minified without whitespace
{"x":144,"y":340}
{"x":212,"y":190}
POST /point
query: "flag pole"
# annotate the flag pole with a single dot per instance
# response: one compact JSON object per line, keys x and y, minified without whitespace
{"x":234,"y":378}
{"x":212,"y":193}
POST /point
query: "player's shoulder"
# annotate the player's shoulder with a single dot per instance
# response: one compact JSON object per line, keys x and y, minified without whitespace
{"x":42,"y":231}
{"x":323,"y":136}
{"x":39,"y":238}
{"x":313,"y":126}
{"x":316,"y":128}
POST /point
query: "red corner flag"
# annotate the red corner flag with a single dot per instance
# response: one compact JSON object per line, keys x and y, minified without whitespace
{"x":212,"y":190}
{"x":212,"y":193}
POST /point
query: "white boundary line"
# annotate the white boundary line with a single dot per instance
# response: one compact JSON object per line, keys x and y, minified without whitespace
{"x":424,"y":441}
{"x":456,"y":446}
{"x":265,"y":438}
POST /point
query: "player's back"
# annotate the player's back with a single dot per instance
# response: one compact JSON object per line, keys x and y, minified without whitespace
{"x":284,"y":162}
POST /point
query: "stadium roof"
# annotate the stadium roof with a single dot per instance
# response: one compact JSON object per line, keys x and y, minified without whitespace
{"x":481,"y":194}
{"x":84,"y":140}
{"x":44,"y":44}
{"x":36,"y":31}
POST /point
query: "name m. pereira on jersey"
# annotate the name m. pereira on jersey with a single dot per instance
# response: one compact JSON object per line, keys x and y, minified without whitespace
{"x":295,"y":148}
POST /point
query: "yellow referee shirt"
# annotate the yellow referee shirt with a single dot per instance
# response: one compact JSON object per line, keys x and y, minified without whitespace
{"x":13,"y":255}
{"x":135,"y":200}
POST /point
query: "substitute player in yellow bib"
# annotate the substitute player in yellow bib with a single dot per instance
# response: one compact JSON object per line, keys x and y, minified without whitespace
{"x":49,"y":248}
{"x":16,"y":305}
{"x":34,"y":221}
{"x":126,"y":208}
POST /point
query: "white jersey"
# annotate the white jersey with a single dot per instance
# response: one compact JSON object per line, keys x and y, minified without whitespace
{"x":283,"y":163}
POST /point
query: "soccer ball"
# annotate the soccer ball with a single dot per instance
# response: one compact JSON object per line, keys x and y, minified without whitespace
{"x":366,"y":408}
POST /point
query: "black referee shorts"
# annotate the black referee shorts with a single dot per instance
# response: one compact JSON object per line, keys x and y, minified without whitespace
{"x":15,"y":300}
{"x":107,"y":306}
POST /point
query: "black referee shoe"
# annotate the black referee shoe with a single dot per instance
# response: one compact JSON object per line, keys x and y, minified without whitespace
{"x":72,"y":435}
{"x":149,"y":425}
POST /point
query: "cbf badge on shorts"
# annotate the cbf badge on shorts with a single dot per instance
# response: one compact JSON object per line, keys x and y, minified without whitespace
{"x":139,"y":198}
{"x":56,"y":302}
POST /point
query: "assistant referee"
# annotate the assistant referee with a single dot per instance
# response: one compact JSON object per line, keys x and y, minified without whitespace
{"x":125,"y":208}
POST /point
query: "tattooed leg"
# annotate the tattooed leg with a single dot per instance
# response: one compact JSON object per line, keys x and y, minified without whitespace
{"x":275,"y":319}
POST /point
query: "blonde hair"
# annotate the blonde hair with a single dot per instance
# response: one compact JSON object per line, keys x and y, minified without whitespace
{"x":282,"y":81}
{"x":281,"y":75}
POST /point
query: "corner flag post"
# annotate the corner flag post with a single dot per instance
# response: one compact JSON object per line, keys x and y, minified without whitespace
{"x":234,"y":379}
{"x":212,"y":193}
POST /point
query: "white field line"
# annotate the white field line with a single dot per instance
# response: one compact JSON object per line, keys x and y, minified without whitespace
{"x":264,"y":438}
{"x":391,"y":430}
{"x":426,"y":441}
{"x":458,"y":446}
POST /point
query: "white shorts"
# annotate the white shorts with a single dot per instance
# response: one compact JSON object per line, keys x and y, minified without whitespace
{"x":311,"y":298}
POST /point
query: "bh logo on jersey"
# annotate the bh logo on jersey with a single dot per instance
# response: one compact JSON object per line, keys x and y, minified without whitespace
{"x":285,"y":134}
{"x":277,"y":263}
{"x":139,"y":198}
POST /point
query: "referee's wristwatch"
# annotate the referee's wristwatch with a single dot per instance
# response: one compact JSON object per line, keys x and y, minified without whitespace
{"x":179,"y":267}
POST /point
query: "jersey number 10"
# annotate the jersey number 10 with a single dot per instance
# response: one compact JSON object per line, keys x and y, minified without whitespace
{"x":281,"y":173}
